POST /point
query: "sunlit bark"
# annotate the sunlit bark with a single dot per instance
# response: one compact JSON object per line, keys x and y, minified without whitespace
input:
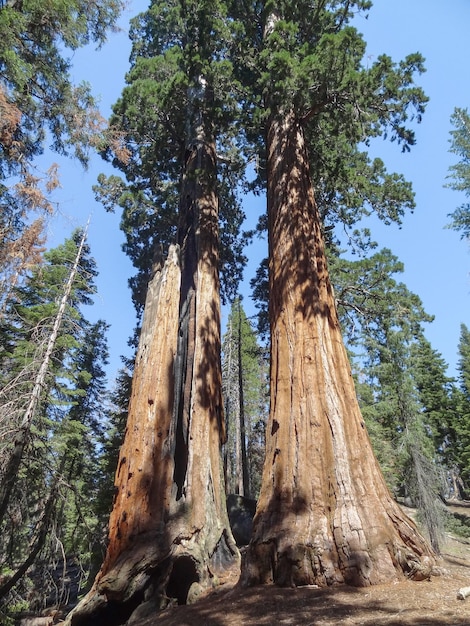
{"x":325,"y":515}
{"x":169,"y":535}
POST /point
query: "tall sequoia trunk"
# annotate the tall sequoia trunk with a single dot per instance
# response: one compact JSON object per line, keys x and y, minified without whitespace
{"x":169,"y":535}
{"x":325,"y":515}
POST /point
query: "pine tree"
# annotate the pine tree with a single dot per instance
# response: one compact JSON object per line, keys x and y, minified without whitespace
{"x":42,"y":363}
{"x":437,"y":397}
{"x":39,"y":103}
{"x":52,"y":377}
{"x":79,"y":439}
{"x":37,"y":91}
{"x":405,"y":396}
{"x":461,"y":424}
{"x":398,"y":407}
{"x":245,"y":397}
{"x":460,"y":172}
{"x":372,"y":307}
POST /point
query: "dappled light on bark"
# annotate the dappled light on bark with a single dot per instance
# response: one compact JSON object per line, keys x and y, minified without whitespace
{"x":169,"y":536}
{"x":325,"y":515}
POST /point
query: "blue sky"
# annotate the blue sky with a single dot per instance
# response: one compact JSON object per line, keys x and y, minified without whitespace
{"x":437,"y":261}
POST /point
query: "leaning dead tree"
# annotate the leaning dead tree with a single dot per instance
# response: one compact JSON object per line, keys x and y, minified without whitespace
{"x":169,"y":535}
{"x":10,"y":466}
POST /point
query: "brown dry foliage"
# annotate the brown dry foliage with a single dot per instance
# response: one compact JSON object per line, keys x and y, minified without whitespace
{"x":10,"y":118}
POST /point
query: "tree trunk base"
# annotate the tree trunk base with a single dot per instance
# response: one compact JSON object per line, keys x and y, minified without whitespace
{"x":139,"y":585}
{"x":296,"y":561}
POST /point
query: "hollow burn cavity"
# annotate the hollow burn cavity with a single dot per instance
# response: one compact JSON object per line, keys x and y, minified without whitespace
{"x":183,"y":575}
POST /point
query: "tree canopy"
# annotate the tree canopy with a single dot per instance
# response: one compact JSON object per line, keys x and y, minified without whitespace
{"x":313,"y":61}
{"x":169,"y":49}
{"x":40,"y":106}
{"x":460,"y":172}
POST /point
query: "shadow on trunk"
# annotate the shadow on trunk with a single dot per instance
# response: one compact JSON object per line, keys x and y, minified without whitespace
{"x":169,"y":535}
{"x":325,"y":515}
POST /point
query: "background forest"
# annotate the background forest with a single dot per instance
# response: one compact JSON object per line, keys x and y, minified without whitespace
{"x":63,"y":405}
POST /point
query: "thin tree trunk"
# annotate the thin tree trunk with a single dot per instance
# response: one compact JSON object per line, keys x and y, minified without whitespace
{"x":22,"y":435}
{"x":325,"y":515}
{"x":40,"y":538}
{"x":228,"y":465}
{"x":237,"y":466}
{"x":244,"y":461}
{"x":169,"y":535}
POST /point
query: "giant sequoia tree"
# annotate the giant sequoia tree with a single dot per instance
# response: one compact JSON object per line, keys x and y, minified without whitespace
{"x":299,"y":71}
{"x":336,"y":522}
{"x":169,"y":535}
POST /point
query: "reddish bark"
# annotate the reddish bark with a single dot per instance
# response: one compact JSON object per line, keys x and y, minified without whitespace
{"x":325,"y":515}
{"x":169,"y":535}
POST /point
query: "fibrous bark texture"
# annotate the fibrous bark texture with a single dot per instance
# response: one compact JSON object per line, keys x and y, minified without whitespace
{"x":169,"y":535}
{"x":325,"y":515}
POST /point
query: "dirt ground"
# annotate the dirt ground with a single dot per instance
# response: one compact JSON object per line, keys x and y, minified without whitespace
{"x":407,"y":603}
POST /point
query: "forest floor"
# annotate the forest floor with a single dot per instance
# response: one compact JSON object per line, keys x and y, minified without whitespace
{"x":406,"y":603}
